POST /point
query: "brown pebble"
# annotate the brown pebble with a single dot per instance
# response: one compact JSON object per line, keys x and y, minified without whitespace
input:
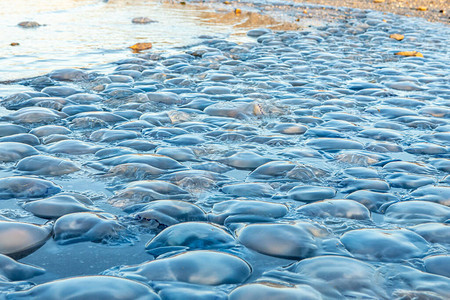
{"x":98,"y":88}
{"x":378,"y":1}
{"x":29,"y":24}
{"x":238,"y":11}
{"x":141,"y":46}
{"x":142,"y":20}
{"x":409,"y":53}
{"x":422,"y":8}
{"x":14,"y":44}
{"x":397,"y":36}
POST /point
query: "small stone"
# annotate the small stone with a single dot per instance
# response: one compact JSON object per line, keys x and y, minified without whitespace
{"x":14,"y":44}
{"x":226,"y":2}
{"x":141,"y":46}
{"x":29,"y":24}
{"x":422,"y":8}
{"x":378,"y":1}
{"x":142,"y":20}
{"x":409,"y":53}
{"x":397,"y":36}
{"x":237,"y":11}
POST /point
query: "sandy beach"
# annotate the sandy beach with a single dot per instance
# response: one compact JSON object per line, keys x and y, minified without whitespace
{"x":433,"y":11}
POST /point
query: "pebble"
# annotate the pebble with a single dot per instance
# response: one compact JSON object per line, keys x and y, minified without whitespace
{"x":437,"y":194}
{"x":222,"y":268}
{"x":26,"y":187}
{"x":384,"y":245}
{"x":371,"y":199}
{"x":46,"y":165}
{"x":142,"y":20}
{"x":35,"y":115}
{"x":29,"y":24}
{"x":339,"y":208}
{"x":20,"y":239}
{"x":433,"y":232}
{"x":23,"y":138}
{"x":311,"y":193}
{"x":292,"y":241}
{"x":86,"y":226}
{"x":397,"y":36}
{"x":419,"y":280}
{"x":141,"y":46}
{"x":245,"y":160}
{"x":89,"y":287}
{"x":59,"y":205}
{"x":146,"y":191}
{"x":72,"y":147}
{"x":409,"y":53}
{"x":190,"y":236}
{"x":436,"y":265}
{"x":226,"y":211}
{"x":10,"y":129}
{"x":164,"y":213}
{"x":68,"y":75}
{"x":416,"y":212}
{"x":15,"y":271}
{"x":334,"y":144}
{"x":248,"y":189}
{"x":13,"y":151}
{"x":273,"y":291}
{"x":325,"y":274}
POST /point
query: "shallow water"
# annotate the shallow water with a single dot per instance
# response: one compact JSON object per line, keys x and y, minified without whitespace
{"x":91,"y":33}
{"x":318,"y":158}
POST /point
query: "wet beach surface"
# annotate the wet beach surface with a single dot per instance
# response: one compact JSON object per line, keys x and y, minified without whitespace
{"x":300,"y":161}
{"x":82,"y":33}
{"x":433,"y":11}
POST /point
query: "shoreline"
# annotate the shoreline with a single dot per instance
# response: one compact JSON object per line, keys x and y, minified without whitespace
{"x":432,"y":11}
{"x":435,"y":11}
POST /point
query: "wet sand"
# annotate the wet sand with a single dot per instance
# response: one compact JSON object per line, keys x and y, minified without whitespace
{"x":307,"y":13}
